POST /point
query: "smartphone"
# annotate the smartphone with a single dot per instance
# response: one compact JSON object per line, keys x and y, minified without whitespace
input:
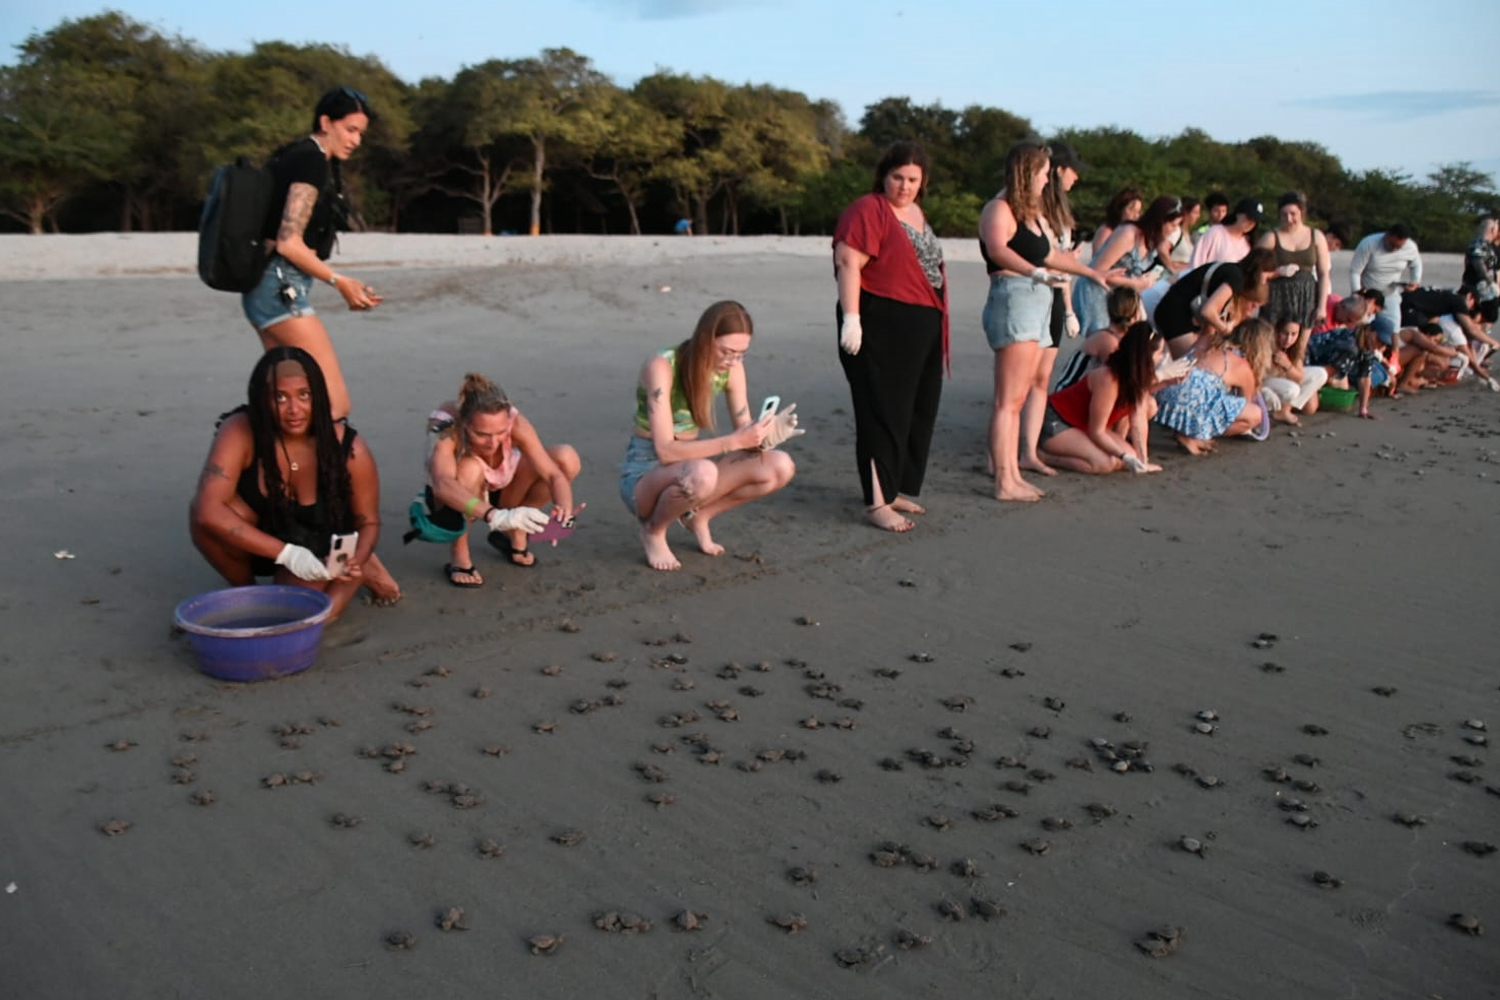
{"x":556,"y":530}
{"x":771,"y":405}
{"x":340,"y":551}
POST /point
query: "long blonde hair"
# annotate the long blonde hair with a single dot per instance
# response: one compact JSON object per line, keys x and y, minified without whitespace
{"x":696,"y":358}
{"x":1256,"y":339}
{"x":1021,"y":164}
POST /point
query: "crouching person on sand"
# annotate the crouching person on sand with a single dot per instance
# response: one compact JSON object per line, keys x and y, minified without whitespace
{"x":282,"y":479}
{"x":488,"y":464}
{"x":672,"y":471}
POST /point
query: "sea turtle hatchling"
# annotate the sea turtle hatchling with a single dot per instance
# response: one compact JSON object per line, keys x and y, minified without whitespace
{"x":851,"y":957}
{"x":689,"y":920}
{"x":452,"y":919}
{"x":1479,"y":848}
{"x":120,"y":746}
{"x":421,"y":841}
{"x":545,"y":944}
{"x":951,"y":909}
{"x":114,"y":827}
{"x":966,"y":868}
{"x":569,"y":838}
{"x":1475,"y":724}
{"x":1100,"y":811}
{"x":792,"y":923}
{"x":801,"y":875}
{"x":344,"y":821}
{"x":1036,"y":846}
{"x":1466,"y":922}
{"x":400,"y":941}
{"x":488,"y":848}
{"x":661,"y":799}
{"x":1192,"y":845}
{"x":1055,"y":823}
{"x":203,"y":798}
{"x":987,"y":909}
{"x":1410,"y":819}
{"x":1161,"y":942}
{"x":908,"y":940}
{"x":1323,"y":880}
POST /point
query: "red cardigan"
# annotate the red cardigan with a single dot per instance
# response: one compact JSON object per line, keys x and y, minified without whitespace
{"x":869,"y":225}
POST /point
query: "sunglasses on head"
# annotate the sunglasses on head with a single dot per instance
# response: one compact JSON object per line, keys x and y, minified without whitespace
{"x":355,"y":95}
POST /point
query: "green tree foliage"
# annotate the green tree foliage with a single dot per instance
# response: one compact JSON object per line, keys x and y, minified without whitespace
{"x":106,"y":122}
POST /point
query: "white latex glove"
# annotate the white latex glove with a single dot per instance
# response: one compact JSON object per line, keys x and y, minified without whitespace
{"x":527,"y":519}
{"x":851,"y":334}
{"x":1133,"y":463}
{"x":1040,"y":276}
{"x":1071,"y":326}
{"x":303,"y":564}
{"x":1287,"y":270}
{"x":1170,"y":369}
{"x":783,"y":428}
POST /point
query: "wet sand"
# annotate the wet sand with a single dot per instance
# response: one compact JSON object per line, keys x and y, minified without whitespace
{"x":822,"y":695}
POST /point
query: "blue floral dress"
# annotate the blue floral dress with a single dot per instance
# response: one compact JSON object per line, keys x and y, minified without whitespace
{"x":1200,"y":406}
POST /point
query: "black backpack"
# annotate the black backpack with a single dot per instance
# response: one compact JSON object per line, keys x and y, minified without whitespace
{"x":231,"y":233}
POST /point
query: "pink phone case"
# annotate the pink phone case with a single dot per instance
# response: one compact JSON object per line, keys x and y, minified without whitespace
{"x":556,"y":530}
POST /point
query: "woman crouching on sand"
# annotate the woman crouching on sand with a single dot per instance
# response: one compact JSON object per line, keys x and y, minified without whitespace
{"x":488,"y":463}
{"x":1216,"y":398}
{"x":672,"y":473}
{"x":1099,"y":424}
{"x":283,"y":478}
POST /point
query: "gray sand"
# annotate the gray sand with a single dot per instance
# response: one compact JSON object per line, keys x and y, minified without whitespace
{"x":1365,"y":547}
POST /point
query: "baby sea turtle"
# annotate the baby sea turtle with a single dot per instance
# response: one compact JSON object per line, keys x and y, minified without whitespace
{"x":938,"y":822}
{"x":400,"y":941}
{"x":1036,"y":846}
{"x":994,"y":813}
{"x":1040,"y":732}
{"x":452,"y":919}
{"x":203,"y":798}
{"x":569,"y":838}
{"x":1323,"y":880}
{"x":1468,"y":923}
{"x":689,"y":920}
{"x":661,"y":799}
{"x":1307,"y":785}
{"x":439,"y":671}
{"x":494,"y":750}
{"x":845,"y":723}
{"x":421,"y":841}
{"x":545,"y":944}
{"x":605,"y":656}
{"x":1040,"y":774}
{"x":792,"y":923}
{"x":1079,"y":763}
{"x":958,"y":703}
{"x":306,"y":778}
{"x":1054,"y":704}
{"x":828,"y":777}
{"x":1307,"y":760}
{"x":1161,"y":942}
{"x":1476,"y":739}
{"x":488,"y":848}
{"x":951,"y":909}
{"x":966,"y":868}
{"x":1100,"y":811}
{"x":921,"y":658}
{"x":184,"y":760}
{"x":273,"y":781}
{"x":1055,"y":823}
{"x":1122,"y":717}
{"x":1204,"y":728}
{"x":1272,"y":668}
{"x":120,"y":746}
{"x":396,"y":766}
{"x":546,"y":727}
{"x":1410,"y":819}
{"x":1465,"y":760}
{"x":552,"y":670}
{"x":1207,"y":715}
{"x":1475,"y":724}
{"x":1479,"y":848}
{"x":182,"y":776}
{"x":800,"y":875}
{"x":851,"y":957}
{"x":481,"y":692}
{"x":1209,"y":781}
{"x":1383,"y":691}
{"x":1192,"y":845}
{"x":887,"y":859}
{"x":650,"y":772}
{"x":1017,"y":786}
{"x":1008,"y":761}
{"x":114,"y":827}
{"x":569,"y":626}
{"x":1313,"y":729}
{"x":908,"y":940}
{"x":1012,"y":672}
{"x":987,"y":909}
{"x":807,"y":620}
{"x":1467,"y":777}
{"x":1302,"y":821}
{"x":921,"y":862}
{"x":344,"y":821}
{"x":889,"y":673}
{"x":1276,"y":774}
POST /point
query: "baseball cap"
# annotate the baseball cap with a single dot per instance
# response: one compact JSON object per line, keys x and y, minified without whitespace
{"x":1249,"y":208}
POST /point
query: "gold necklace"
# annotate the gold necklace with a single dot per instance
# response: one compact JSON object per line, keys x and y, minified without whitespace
{"x":293,"y":465}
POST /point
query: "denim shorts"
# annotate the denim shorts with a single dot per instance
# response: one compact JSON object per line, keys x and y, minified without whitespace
{"x":640,"y":458}
{"x":284,"y":292}
{"x":1017,"y":310}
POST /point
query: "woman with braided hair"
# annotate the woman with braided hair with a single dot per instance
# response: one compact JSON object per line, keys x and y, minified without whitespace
{"x":282,"y":478}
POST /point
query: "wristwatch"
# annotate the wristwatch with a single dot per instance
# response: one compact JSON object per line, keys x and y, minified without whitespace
{"x":333,"y":280}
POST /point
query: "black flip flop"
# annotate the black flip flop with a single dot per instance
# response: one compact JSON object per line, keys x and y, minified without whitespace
{"x":502,"y":545}
{"x":453,"y":571}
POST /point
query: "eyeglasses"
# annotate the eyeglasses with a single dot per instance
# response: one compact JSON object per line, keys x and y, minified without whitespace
{"x":730,"y":357}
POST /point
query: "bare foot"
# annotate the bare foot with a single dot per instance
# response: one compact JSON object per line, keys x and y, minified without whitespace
{"x":384,"y":591}
{"x":1037,"y":465}
{"x":906,"y":506}
{"x":1367,"y":415}
{"x":1017,"y":491}
{"x":1286,"y":417}
{"x":699,"y":527}
{"x":886,"y":519}
{"x":658,"y":553}
{"x":1194,"y":446}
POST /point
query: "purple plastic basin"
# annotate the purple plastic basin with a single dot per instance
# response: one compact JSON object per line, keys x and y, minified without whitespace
{"x":252,"y":633}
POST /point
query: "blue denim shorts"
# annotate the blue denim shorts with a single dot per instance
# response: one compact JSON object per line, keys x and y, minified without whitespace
{"x":1017,"y":310}
{"x":284,"y":292}
{"x":640,"y":458}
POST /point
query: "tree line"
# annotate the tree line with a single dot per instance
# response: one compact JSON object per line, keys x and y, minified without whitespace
{"x":107,"y":124}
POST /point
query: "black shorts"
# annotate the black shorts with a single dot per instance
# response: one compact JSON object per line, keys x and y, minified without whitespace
{"x":445,"y":517}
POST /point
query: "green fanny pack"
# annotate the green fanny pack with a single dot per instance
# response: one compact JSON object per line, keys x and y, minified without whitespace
{"x":422,"y":527}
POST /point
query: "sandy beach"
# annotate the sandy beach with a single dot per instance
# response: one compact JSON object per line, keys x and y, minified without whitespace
{"x":831,"y":728}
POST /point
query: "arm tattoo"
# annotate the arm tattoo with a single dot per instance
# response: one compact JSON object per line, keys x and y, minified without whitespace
{"x":300,"y":199}
{"x":212,"y":470}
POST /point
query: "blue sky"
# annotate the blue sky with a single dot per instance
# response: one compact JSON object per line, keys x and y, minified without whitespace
{"x":1379,"y":83}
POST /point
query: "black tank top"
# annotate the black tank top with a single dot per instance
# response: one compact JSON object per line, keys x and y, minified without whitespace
{"x":1032,"y":248}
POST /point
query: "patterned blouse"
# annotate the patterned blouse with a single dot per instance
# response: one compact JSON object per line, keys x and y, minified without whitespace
{"x":929,"y":252}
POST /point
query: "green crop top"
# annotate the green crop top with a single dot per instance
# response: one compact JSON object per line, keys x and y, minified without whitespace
{"x":682,"y":417}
